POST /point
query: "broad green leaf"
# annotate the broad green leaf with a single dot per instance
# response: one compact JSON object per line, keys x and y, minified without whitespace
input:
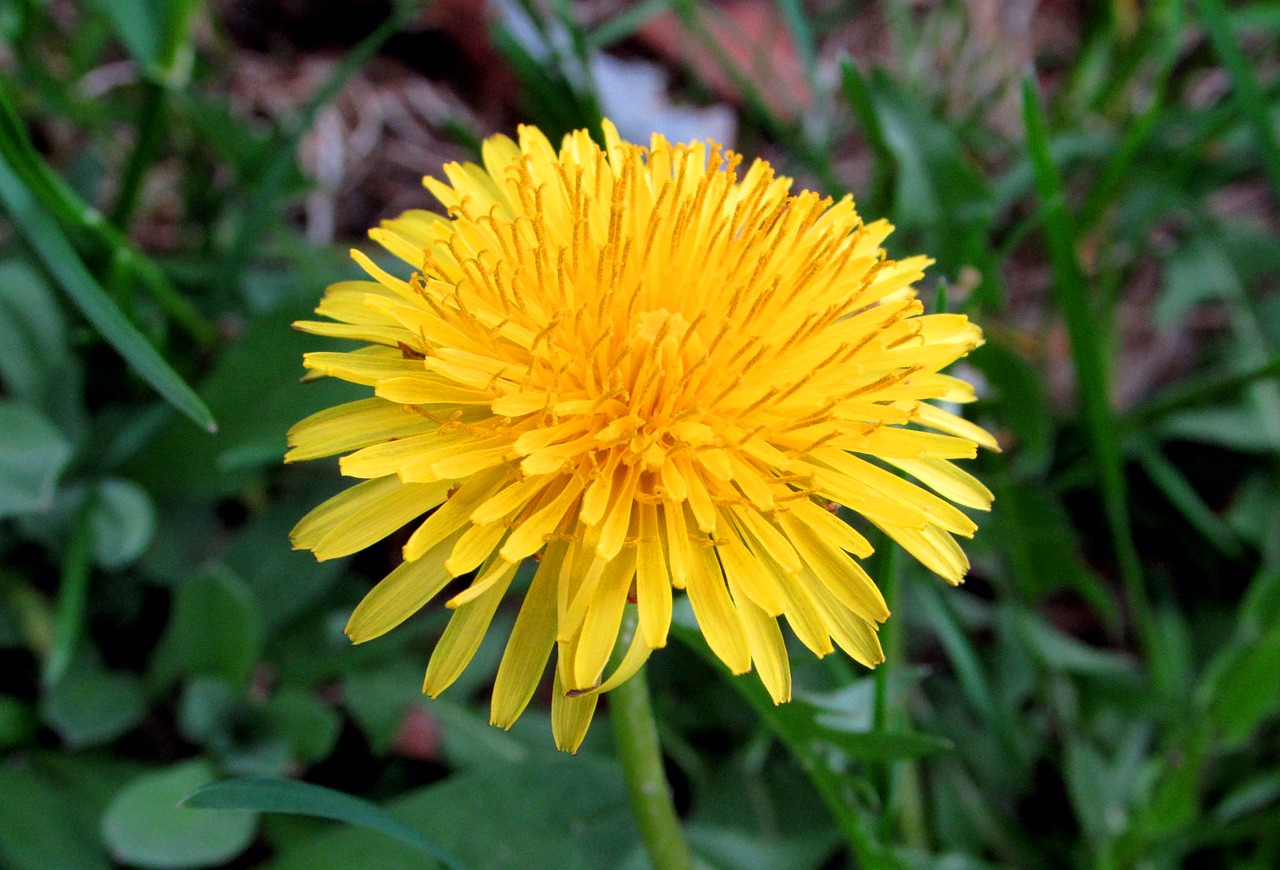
{"x":122,"y":524}
{"x":309,"y":726}
{"x":733,"y":849}
{"x":46,"y":238}
{"x":91,"y":705}
{"x":38,"y":829}
{"x":250,"y":737}
{"x":145,"y":826}
{"x":216,"y":629}
{"x":33,"y":454}
{"x":553,"y":810}
{"x":304,"y":798}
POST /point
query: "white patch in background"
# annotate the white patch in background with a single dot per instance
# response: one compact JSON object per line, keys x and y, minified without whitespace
{"x":633,"y":94}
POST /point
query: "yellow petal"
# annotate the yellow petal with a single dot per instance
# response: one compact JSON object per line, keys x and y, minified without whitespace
{"x":509,"y":499}
{"x":476,"y":544}
{"x":351,"y":426}
{"x":604,"y":615}
{"x":944,"y":421}
{"x":768,"y":649}
{"x":528,"y":537}
{"x":455,"y":513}
{"x":525,"y":658}
{"x":935,"y":549}
{"x":842,"y":576}
{"x":462,"y":637}
{"x":570,"y":716}
{"x":716,"y":614}
{"x":949,"y":481}
{"x":831,"y":528}
{"x":365,"y":513}
{"x":750,"y":574}
{"x":362,"y":367}
{"x":854,"y":635}
{"x":653,"y":584}
{"x":428,"y":390}
{"x":400,"y":594}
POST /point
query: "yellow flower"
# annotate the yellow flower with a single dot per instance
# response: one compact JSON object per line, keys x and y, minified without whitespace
{"x":654,"y":375}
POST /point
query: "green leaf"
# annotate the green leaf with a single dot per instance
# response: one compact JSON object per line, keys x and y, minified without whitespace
{"x":732,"y":849}
{"x":73,"y":593}
{"x":858,"y":94}
{"x":941,"y":201}
{"x":1238,"y":692}
{"x":39,"y":824}
{"x":839,"y":719}
{"x":236,"y":730}
{"x":553,"y":810}
{"x":1042,"y":546}
{"x":1250,"y":99}
{"x":216,"y":629}
{"x":1183,"y":496}
{"x":145,"y":826}
{"x":33,"y":454}
{"x":46,"y":238}
{"x":307,"y":724}
{"x":17,"y":722}
{"x":255,"y":394}
{"x":91,"y":705}
{"x":122,"y":523}
{"x":138,"y":23}
{"x":306,"y":799}
{"x":37,"y":366}
{"x":1089,"y":357}
{"x":1060,"y":651}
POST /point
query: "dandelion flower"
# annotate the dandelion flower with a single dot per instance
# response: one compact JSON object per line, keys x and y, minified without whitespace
{"x":656,"y":375}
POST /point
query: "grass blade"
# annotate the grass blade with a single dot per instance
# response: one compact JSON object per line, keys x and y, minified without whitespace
{"x":1194,"y":392}
{"x":53,"y":249}
{"x":279,"y":152}
{"x":627,"y":22}
{"x":1183,"y":496}
{"x":306,"y":799}
{"x":802,"y":36}
{"x":1088,"y":354}
{"x":858,"y":94}
{"x":73,"y":590}
{"x":1244,"y":87}
{"x":97,"y":240}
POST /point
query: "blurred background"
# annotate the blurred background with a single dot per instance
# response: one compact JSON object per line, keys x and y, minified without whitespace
{"x":1098,"y":182}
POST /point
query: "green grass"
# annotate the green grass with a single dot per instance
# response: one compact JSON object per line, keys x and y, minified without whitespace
{"x":1099,"y":694}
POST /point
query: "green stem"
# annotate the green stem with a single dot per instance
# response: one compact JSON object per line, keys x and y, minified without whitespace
{"x":150,"y":134}
{"x":886,"y":575}
{"x":636,"y":733}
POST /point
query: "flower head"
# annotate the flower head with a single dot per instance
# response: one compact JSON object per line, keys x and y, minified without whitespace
{"x":655,"y":374}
